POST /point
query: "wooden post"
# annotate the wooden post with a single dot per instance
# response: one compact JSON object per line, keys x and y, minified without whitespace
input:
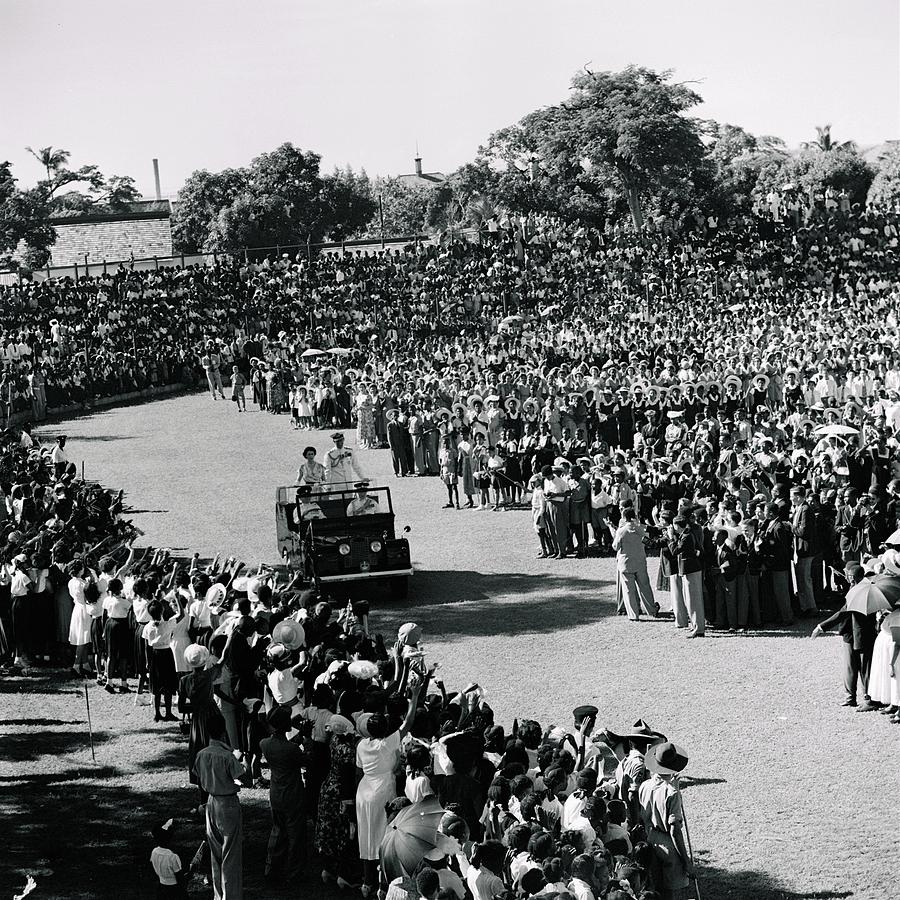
{"x":76,"y":271}
{"x":104,"y":265}
{"x":156,"y":262}
{"x":308,"y":250}
{"x":182,"y":259}
{"x":86,"y":268}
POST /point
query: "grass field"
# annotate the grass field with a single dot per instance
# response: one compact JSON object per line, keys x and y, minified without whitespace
{"x":789,"y":795}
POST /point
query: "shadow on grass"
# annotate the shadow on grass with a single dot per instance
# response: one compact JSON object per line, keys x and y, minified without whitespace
{"x":30,"y":746}
{"x":542,"y":603}
{"x":40,"y":723}
{"x":718,"y":884}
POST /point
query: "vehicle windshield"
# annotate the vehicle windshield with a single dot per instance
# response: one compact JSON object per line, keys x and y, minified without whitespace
{"x":341,"y":504}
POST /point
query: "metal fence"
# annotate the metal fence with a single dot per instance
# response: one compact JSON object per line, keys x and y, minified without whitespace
{"x":248,"y":255}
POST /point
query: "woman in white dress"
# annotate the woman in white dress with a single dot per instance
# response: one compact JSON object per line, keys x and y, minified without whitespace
{"x":80,"y":624}
{"x":882,"y":687}
{"x":377,"y":756}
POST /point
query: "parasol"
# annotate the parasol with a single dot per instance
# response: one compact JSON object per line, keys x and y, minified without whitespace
{"x":411,"y":834}
{"x":338,"y":351}
{"x":511,"y":320}
{"x":835,"y":430}
{"x":866,"y":598}
{"x":306,"y":354}
{"x":889,"y":585}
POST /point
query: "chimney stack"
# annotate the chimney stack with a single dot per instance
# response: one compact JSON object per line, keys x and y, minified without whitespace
{"x":156,"y":178}
{"x":419,"y":166}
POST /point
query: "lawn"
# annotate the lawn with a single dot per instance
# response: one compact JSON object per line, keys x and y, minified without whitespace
{"x":789,"y":795}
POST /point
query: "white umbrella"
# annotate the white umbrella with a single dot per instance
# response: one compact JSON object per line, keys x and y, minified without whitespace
{"x":735,"y":307}
{"x":339,"y":351}
{"x":510,"y":319}
{"x":306,"y":354}
{"x":836,"y":430}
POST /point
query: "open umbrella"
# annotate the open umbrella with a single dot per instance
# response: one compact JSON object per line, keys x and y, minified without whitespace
{"x":510,"y":320}
{"x":411,"y":834}
{"x":889,"y":585}
{"x":835,"y":430}
{"x":339,"y":351}
{"x":866,"y":598}
{"x":306,"y":354}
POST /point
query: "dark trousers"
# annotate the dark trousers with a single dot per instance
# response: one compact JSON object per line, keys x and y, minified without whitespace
{"x":857,"y":665}
{"x":286,"y":850}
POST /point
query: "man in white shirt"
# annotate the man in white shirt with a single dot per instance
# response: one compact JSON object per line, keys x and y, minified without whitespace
{"x":58,"y":457}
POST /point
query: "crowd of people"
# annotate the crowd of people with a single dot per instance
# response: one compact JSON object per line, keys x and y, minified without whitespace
{"x":358,"y":735}
{"x":725,"y":397}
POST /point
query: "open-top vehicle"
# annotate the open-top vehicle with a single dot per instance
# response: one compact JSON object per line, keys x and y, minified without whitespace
{"x":335,"y":538}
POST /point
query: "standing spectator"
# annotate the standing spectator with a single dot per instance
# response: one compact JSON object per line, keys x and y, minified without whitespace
{"x":631,"y":565}
{"x":218,"y":769}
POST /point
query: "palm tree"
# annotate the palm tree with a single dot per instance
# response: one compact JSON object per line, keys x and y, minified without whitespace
{"x":52,"y":160}
{"x":825,"y":143}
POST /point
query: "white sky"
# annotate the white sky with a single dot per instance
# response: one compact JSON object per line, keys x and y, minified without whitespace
{"x":211,"y":83}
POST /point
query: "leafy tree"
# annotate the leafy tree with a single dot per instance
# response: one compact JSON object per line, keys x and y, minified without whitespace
{"x":825,"y":142}
{"x":623,"y":130}
{"x":252,"y":221}
{"x":405,"y":207}
{"x":884,"y":191}
{"x":813,"y":171}
{"x":25,"y":233}
{"x":200,"y":200}
{"x":347,"y":203}
{"x":111,"y":193}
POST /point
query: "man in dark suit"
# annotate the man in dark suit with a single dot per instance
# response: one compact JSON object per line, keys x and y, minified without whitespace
{"x":803,"y":524}
{"x":398,"y":440}
{"x":858,"y":632}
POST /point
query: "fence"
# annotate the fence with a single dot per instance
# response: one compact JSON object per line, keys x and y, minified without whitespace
{"x":248,"y":254}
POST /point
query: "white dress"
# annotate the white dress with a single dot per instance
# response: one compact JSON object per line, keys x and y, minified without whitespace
{"x":80,"y":625}
{"x":377,"y":757}
{"x":883,"y":688}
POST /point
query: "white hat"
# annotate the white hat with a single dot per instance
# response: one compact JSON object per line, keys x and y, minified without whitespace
{"x":196,"y":655}
{"x":215,"y":594}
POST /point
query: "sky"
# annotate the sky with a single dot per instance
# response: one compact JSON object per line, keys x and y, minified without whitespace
{"x":202,"y":84}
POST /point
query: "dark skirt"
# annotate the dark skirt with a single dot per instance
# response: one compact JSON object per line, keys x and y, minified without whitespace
{"x":98,"y":637}
{"x":163,"y":677}
{"x":118,"y":640}
{"x":199,"y":737}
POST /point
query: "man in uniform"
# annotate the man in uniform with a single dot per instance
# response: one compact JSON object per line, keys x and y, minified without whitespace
{"x":362,"y":504}
{"x":341,"y":467}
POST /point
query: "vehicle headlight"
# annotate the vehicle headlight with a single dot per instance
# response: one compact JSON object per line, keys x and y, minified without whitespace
{"x":344,"y":549}
{"x":375,"y":546}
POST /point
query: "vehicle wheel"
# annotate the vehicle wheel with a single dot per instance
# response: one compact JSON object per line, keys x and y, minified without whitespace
{"x":400,"y":587}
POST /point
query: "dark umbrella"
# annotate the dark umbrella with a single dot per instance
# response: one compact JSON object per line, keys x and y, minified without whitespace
{"x":410,"y":835}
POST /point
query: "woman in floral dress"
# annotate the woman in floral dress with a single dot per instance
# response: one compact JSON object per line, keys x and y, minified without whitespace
{"x":365,"y":420}
{"x":334,"y":840}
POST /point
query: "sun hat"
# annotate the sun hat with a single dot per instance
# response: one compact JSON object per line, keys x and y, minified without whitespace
{"x":666,"y":758}
{"x":290,"y":633}
{"x":196,"y":655}
{"x":640,"y":730}
{"x":216,"y":594}
{"x":409,"y":633}
{"x":363,"y":669}
{"x":277,"y":653}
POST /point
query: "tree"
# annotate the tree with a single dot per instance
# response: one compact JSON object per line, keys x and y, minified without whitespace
{"x":347,"y":202}
{"x":405,"y":207}
{"x":624,"y":129}
{"x":884,"y":192}
{"x":252,"y":221}
{"x":25,"y":233}
{"x":813,"y":171}
{"x":825,"y":142}
{"x":52,"y":160}
{"x":202,"y":197}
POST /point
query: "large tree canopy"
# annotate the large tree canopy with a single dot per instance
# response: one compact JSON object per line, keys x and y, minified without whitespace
{"x":279,"y":199}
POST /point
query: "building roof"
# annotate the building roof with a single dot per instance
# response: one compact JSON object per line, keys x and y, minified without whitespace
{"x":138,"y":209}
{"x":427,"y":178}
